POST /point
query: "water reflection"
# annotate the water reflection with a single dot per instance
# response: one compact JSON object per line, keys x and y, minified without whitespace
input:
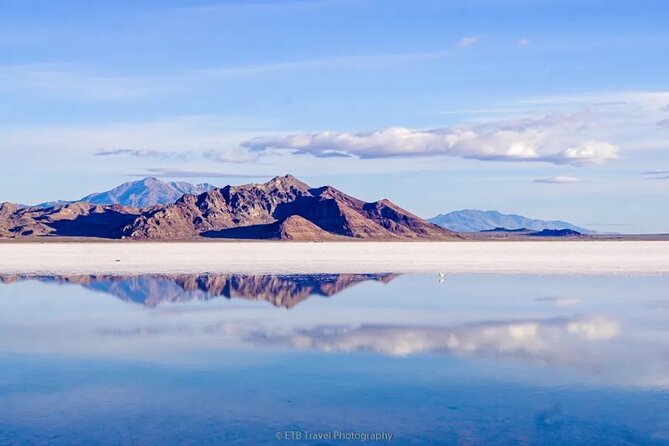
{"x":551,"y":340}
{"x":478,"y":359}
{"x":586,"y":323}
{"x":157,"y":289}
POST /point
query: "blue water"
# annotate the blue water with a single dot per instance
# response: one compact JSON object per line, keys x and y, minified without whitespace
{"x":474,"y":359}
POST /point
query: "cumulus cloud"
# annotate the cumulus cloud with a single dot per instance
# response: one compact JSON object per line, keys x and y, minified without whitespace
{"x":467,"y":41}
{"x":559,"y":179}
{"x":554,"y":139}
{"x":522,"y":42}
{"x":589,"y":152}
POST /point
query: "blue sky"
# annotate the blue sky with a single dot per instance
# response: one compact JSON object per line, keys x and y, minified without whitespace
{"x":553,"y":109}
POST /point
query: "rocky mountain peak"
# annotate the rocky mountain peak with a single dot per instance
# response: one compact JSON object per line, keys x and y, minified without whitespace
{"x":152,"y":181}
{"x":286,"y":182}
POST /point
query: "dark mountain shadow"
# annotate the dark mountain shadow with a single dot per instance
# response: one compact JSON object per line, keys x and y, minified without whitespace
{"x":266,"y":231}
{"x":107,"y":224}
{"x":157,"y":289}
{"x":296,"y":207}
{"x":557,"y":233}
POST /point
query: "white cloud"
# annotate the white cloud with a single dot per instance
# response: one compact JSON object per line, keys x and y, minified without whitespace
{"x":142,"y":153}
{"x":467,"y":41}
{"x":522,"y":42}
{"x":183,"y":173}
{"x":555,"y":139}
{"x":232,"y":156}
{"x":176,"y":135}
{"x":560,"y":179}
{"x":589,"y":133}
{"x":590,"y":152}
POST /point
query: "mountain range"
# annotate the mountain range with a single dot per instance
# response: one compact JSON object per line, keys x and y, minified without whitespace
{"x":472,"y":220}
{"x":144,"y":193}
{"x":283,"y":208}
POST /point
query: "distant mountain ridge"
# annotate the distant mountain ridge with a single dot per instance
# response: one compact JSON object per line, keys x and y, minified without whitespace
{"x":143,"y":193}
{"x":283,"y":208}
{"x":473,"y":220}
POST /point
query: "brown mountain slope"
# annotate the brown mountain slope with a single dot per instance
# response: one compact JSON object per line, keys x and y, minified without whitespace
{"x":301,"y":229}
{"x":342,"y":214}
{"x":283,"y":208}
{"x":7,"y":211}
{"x":217,"y":210}
{"x":258,"y":210}
{"x":74,"y":220}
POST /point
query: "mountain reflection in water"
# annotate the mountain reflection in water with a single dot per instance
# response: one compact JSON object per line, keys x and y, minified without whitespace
{"x":156,"y":289}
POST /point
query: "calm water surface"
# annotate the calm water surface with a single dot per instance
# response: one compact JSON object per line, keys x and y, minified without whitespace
{"x":243,"y":359}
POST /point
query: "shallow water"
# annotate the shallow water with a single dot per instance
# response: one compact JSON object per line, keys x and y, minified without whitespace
{"x":245,"y":359}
